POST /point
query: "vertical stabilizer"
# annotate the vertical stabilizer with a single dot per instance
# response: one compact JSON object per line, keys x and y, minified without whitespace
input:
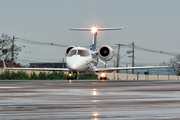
{"x":94,"y":41}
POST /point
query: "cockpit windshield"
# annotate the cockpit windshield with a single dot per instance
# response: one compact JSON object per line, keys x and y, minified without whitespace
{"x":82,"y":53}
{"x":71,"y":53}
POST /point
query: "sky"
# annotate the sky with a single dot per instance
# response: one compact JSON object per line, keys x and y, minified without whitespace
{"x":152,"y":24}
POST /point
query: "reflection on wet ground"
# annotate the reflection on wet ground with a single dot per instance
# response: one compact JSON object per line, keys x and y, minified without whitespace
{"x":94,"y":100}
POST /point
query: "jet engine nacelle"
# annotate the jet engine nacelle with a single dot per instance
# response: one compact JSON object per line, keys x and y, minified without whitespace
{"x":68,"y":49}
{"x":106,"y":53}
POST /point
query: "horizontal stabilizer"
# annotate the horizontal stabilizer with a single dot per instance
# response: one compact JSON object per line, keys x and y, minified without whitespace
{"x":105,"y":29}
{"x":98,"y":29}
{"x":81,"y":29}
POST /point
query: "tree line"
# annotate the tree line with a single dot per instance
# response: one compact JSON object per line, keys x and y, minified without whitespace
{"x":22,"y":75}
{"x":7,"y":48}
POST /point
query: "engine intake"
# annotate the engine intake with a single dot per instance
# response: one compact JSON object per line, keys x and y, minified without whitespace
{"x":68,"y":49}
{"x":106,"y":53}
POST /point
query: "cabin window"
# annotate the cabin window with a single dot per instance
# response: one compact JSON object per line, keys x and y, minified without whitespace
{"x":83,"y":53}
{"x":71,"y":53}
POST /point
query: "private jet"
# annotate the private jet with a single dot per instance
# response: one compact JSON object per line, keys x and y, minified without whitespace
{"x":81,"y":59}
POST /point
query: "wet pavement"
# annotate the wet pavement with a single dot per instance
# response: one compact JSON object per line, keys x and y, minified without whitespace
{"x":89,"y":100}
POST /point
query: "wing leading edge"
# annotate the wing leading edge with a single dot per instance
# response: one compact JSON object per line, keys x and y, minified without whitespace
{"x":130,"y":68}
{"x":39,"y":69}
{"x":174,"y":66}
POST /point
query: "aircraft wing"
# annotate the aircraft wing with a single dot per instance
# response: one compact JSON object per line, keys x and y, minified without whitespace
{"x":39,"y":69}
{"x":129,"y":68}
{"x":174,"y":67}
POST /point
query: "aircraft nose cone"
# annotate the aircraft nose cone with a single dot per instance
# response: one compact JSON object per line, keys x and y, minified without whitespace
{"x":73,"y":67}
{"x":76,"y":65}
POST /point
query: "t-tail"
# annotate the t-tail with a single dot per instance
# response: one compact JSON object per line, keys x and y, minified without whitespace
{"x":95,"y":30}
{"x":94,"y":42}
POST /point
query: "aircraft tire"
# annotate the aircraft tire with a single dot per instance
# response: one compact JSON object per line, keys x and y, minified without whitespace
{"x":103,"y":78}
{"x":69,"y":78}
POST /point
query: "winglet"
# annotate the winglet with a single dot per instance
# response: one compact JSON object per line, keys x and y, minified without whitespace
{"x":4,"y":64}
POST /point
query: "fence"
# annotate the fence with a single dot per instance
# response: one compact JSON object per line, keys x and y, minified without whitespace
{"x":120,"y":76}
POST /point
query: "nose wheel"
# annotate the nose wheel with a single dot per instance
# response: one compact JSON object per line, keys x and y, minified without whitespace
{"x":71,"y":76}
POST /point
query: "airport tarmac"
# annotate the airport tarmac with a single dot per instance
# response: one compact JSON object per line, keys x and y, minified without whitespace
{"x":89,"y":100}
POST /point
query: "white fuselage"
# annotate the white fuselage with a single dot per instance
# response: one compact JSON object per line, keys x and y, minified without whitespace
{"x":81,"y":59}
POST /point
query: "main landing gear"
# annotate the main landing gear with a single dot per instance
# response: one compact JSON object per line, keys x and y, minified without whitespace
{"x":71,"y":76}
{"x":103,"y":76}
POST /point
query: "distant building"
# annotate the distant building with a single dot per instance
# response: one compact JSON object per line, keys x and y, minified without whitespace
{"x":48,"y":65}
{"x":9,"y":63}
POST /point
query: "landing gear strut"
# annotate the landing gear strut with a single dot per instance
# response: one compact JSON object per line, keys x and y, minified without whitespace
{"x":69,"y":76}
{"x":76,"y":76}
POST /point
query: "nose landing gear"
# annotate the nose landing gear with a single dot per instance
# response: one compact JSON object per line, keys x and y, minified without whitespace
{"x":71,"y":76}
